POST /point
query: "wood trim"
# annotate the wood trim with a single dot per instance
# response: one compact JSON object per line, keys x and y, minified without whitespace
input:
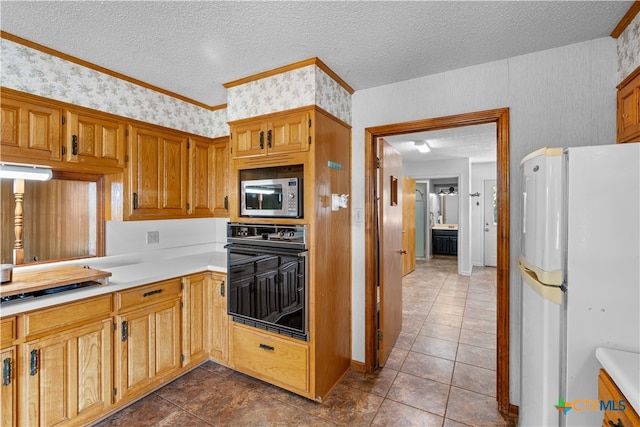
{"x":107,"y":71}
{"x":635,"y":73}
{"x":626,"y":19}
{"x":501,"y":118}
{"x":294,"y":66}
{"x":358,"y":366}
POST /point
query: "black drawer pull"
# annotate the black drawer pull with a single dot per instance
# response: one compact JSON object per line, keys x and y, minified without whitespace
{"x":619,"y":424}
{"x":267,"y":347}
{"x":148,"y":294}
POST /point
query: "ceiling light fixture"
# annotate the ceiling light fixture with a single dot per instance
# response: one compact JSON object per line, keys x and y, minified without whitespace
{"x":422,"y":146}
{"x":33,"y":173}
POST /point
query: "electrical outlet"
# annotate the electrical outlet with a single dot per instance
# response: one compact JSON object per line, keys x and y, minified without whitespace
{"x":153,"y":237}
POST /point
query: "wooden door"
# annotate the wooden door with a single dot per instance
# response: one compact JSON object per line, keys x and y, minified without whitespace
{"x":158,"y":174}
{"x":8,"y":388}
{"x":94,"y":141}
{"x":195,"y":327}
{"x":67,"y":376}
{"x":288,"y":133}
{"x":30,"y":131}
{"x":219,"y":331}
{"x":408,"y":225}
{"x":249,"y":139}
{"x":221,"y":179}
{"x":390,"y":211}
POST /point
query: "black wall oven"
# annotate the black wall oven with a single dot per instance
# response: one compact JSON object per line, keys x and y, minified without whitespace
{"x":267,"y":277}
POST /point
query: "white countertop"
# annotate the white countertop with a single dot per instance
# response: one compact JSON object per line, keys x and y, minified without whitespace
{"x":624,"y":369}
{"x":128,"y":271}
{"x":444,"y":226}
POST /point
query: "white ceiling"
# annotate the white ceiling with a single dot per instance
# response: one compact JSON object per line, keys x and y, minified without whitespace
{"x":192,"y":48}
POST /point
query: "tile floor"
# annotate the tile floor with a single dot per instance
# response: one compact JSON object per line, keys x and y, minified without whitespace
{"x":441,"y":371}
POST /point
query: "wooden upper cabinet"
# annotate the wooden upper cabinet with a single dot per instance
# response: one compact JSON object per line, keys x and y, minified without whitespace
{"x":208,"y":177}
{"x":158,"y":174}
{"x":628,"y":115}
{"x":279,"y":133}
{"x":94,"y":140}
{"x":30,"y":130}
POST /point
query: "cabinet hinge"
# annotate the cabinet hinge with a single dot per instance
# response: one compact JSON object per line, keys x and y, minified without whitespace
{"x":182,"y":285}
{"x":126,"y":132}
{"x":113,"y":327}
{"x":114,"y":392}
{"x":188,"y":145}
{"x":309,"y":122}
{"x":64,"y":120}
{"x":181,"y":305}
{"x":188,"y":207}
{"x":126,"y":158}
{"x":182,"y":358}
{"x":377,"y":163}
{"x":379,"y":334}
{"x":230,"y":150}
{"x":309,"y":140}
{"x":64,"y":150}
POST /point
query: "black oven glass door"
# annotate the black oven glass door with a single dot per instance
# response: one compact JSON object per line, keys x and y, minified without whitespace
{"x":267,"y":197}
{"x":267,"y":289}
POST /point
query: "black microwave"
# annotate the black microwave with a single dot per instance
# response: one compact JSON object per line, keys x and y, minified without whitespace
{"x":274,"y":198}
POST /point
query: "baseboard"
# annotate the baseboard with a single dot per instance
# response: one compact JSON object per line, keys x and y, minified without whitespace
{"x":358,"y":366}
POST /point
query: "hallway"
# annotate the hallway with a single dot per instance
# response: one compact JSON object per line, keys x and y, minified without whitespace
{"x":441,"y":371}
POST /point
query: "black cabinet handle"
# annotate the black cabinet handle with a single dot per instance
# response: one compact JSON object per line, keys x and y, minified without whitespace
{"x":261,"y":140}
{"x":619,"y":424}
{"x":135,"y":200}
{"x":148,"y":294}
{"x":125,"y":332}
{"x":267,"y":347}
{"x":6,"y":371}
{"x":74,"y":145}
{"x":222,"y":288}
{"x":269,"y":138}
{"x":33,"y":366}
{"x":226,"y":203}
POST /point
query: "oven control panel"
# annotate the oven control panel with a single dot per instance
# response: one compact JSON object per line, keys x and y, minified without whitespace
{"x":292,"y":236}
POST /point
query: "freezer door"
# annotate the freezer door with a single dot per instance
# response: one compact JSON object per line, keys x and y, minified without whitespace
{"x":542,"y":244}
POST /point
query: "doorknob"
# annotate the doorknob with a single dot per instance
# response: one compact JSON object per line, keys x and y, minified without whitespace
{"x":486,"y":229}
{"x":402,"y":251}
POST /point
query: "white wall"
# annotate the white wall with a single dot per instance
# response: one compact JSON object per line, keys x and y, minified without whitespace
{"x":479,"y":172}
{"x":461,"y":169}
{"x":126,"y":237}
{"x":558,"y":97}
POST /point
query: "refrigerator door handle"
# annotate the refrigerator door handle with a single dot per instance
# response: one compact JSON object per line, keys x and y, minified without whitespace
{"x":551,"y":293}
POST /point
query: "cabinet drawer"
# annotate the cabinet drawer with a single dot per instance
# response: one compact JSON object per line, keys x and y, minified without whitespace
{"x":64,"y":315}
{"x":8,"y":330}
{"x":608,"y":391}
{"x":148,"y":294}
{"x":278,"y":361}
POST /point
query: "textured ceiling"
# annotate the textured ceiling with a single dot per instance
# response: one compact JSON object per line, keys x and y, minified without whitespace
{"x":192,"y":48}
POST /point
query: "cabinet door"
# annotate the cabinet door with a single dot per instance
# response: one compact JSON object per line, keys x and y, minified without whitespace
{"x":158,"y":174}
{"x":219,"y":331}
{"x":94,"y":141}
{"x":288,"y":133}
{"x":30,"y":131}
{"x":249,"y":139}
{"x":196,"y":318}
{"x":201,"y":174}
{"x":629,"y":111}
{"x":67,"y":376}
{"x":8,"y":388}
{"x":453,"y":245}
{"x":221,"y":179}
{"x":147,"y":348}
{"x":440,"y":244}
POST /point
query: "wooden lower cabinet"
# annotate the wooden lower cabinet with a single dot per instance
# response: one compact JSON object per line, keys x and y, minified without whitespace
{"x":147,"y":348}
{"x":8,"y":389}
{"x":196,"y":318}
{"x":619,"y":411}
{"x":270,"y":357}
{"x":66,"y":377}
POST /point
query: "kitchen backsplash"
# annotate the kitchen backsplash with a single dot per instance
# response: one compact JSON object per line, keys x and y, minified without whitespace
{"x":32,"y":71}
{"x":124,"y":237}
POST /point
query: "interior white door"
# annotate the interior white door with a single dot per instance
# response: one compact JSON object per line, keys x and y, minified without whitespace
{"x":490,"y":223}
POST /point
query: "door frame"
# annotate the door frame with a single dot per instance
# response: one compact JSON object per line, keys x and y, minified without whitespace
{"x":501,"y":118}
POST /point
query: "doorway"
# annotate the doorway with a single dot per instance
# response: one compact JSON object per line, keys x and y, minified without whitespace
{"x":501,"y":118}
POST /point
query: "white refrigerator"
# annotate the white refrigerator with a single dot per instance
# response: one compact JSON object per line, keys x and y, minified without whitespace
{"x":580,"y":264}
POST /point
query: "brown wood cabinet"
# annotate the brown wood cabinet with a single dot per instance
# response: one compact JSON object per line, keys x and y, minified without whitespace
{"x":273,"y":134}
{"x":8,"y":359}
{"x":65,"y":363}
{"x":219,"y":319}
{"x":208,"y":177}
{"x":94,"y":139}
{"x":148,"y":337}
{"x":628,"y":114}
{"x":31,"y":129}
{"x":614,"y":414}
{"x":196,"y":315}
{"x":324,"y":165}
